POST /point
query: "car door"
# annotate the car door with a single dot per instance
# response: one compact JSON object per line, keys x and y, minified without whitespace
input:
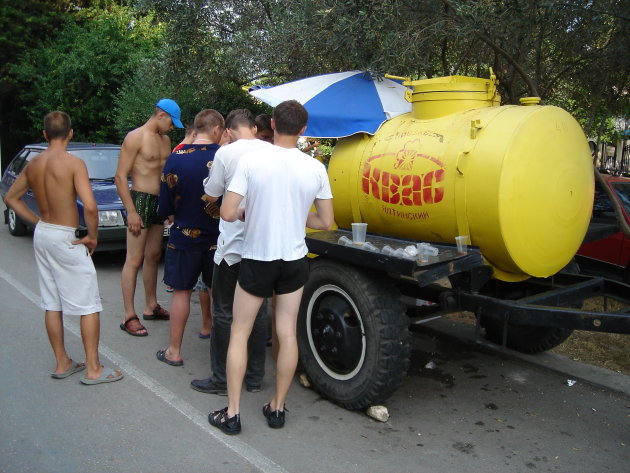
{"x":621,"y":189}
{"x":607,"y":249}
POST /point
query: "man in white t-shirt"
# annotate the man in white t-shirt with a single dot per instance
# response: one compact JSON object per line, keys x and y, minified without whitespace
{"x":240,"y":126}
{"x":281,"y":184}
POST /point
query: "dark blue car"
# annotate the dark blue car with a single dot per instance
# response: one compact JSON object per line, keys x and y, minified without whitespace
{"x":101,"y":161}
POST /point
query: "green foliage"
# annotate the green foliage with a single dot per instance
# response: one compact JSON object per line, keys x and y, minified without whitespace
{"x":197,"y":67}
{"x":84,"y":56}
{"x":572,"y":53}
{"x":80,"y":70}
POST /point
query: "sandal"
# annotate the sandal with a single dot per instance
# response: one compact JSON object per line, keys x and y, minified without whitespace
{"x":157,"y":314}
{"x":137,"y":327}
{"x":220,"y":420}
{"x":275,"y":419}
{"x":161,"y":355}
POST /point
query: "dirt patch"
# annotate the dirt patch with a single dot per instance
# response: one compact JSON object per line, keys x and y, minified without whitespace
{"x":606,"y":350}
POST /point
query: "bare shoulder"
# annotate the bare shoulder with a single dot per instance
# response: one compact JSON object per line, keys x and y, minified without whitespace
{"x":76,"y":161}
{"x":166,"y":141}
{"x":32,"y":168}
{"x":134,"y":137}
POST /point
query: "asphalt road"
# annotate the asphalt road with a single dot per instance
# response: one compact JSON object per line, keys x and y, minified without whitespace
{"x":470,"y":410}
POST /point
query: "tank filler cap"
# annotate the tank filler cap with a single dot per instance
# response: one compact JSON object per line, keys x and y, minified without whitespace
{"x":529,"y":101}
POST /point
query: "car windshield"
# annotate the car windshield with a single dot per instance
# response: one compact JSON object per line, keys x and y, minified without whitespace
{"x":623,"y":191}
{"x":101,"y":163}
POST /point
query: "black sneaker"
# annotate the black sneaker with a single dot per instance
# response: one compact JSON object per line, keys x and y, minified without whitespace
{"x":220,"y":420}
{"x":253,"y":388}
{"x":208,"y":386}
{"x":275,"y":419}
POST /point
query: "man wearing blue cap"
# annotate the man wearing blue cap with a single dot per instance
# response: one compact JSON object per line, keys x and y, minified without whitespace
{"x":142,"y":156}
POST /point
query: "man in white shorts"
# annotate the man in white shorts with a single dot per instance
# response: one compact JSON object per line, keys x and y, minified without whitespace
{"x":281,"y":184}
{"x":67,"y":278}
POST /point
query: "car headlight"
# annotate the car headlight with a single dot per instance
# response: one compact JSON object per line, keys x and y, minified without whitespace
{"x":110,"y":218}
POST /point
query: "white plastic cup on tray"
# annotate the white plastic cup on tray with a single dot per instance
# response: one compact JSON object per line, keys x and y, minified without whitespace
{"x":358,"y":232}
{"x":423,"y":253}
{"x":462,"y":244}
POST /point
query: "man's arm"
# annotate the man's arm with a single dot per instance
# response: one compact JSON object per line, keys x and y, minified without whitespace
{"x":214,"y":184}
{"x":90,"y":210}
{"x":323,"y":217}
{"x":128,"y":153}
{"x":13,"y":199}
{"x":230,"y":210}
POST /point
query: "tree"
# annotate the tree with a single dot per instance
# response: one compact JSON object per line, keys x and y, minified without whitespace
{"x":81,"y":69}
{"x":570,"y":53}
{"x":197,"y":66}
{"x":26,"y":25}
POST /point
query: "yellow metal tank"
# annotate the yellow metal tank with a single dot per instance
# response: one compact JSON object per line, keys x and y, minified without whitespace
{"x":518,"y":180}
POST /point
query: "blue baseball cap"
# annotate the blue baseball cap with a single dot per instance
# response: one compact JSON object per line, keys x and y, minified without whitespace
{"x":171,"y":107}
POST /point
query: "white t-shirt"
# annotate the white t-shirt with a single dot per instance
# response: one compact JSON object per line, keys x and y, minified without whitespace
{"x":230,"y":241}
{"x":280,"y":185}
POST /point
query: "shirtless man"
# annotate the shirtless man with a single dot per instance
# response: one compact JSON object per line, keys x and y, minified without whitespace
{"x":67,"y":278}
{"x":142,"y":156}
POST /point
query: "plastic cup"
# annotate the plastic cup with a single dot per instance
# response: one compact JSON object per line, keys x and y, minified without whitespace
{"x":358,"y":232}
{"x":423,"y":255}
{"x":462,"y":244}
{"x":344,"y":240}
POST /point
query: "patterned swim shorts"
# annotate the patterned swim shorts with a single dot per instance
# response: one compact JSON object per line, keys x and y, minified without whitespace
{"x":146,"y":205}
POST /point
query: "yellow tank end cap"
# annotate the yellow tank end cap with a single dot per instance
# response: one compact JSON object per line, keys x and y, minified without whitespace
{"x":529,"y":100}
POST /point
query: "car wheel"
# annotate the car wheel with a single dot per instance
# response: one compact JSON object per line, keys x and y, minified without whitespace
{"x":16,"y":226}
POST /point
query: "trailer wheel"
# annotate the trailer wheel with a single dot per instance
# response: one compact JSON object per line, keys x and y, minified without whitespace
{"x":352,"y":334}
{"x":524,"y":338}
{"x":16,"y":226}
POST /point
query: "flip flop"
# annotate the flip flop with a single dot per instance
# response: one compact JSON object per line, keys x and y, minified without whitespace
{"x":108,"y":375}
{"x":157,"y":314}
{"x":161,"y":355}
{"x":74,"y":368}
{"x":204,"y":336}
{"x":133,"y":333}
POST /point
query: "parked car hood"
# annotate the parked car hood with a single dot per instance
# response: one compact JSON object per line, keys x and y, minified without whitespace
{"x":106,"y":195}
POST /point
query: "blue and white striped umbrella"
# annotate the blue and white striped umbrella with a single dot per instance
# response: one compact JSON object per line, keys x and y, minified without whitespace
{"x":341,"y":104}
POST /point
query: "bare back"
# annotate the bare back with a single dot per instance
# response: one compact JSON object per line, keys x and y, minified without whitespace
{"x":56,"y":177}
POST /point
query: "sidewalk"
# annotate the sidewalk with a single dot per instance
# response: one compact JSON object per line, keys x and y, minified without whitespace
{"x":571,"y":369}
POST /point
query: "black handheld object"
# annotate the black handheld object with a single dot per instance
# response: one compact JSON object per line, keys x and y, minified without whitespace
{"x":81,"y":232}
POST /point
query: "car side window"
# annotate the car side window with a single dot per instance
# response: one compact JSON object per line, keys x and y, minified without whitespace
{"x":623,"y":192}
{"x":18,"y":163}
{"x":602,"y":206}
{"x":30,"y":156}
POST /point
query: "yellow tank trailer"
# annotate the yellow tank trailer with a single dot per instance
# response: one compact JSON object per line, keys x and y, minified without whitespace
{"x":517,"y":179}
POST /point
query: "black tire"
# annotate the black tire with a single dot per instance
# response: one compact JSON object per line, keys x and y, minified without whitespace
{"x":352,"y":334}
{"x":16,"y":226}
{"x":526,"y":339}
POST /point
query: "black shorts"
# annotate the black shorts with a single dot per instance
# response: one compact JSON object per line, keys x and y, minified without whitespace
{"x":264,"y":278}
{"x":182,"y":268}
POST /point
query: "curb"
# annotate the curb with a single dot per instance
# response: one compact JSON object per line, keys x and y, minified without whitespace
{"x":575,"y":370}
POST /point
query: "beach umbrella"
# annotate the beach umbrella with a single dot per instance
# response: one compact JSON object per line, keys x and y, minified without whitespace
{"x":341,"y":104}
